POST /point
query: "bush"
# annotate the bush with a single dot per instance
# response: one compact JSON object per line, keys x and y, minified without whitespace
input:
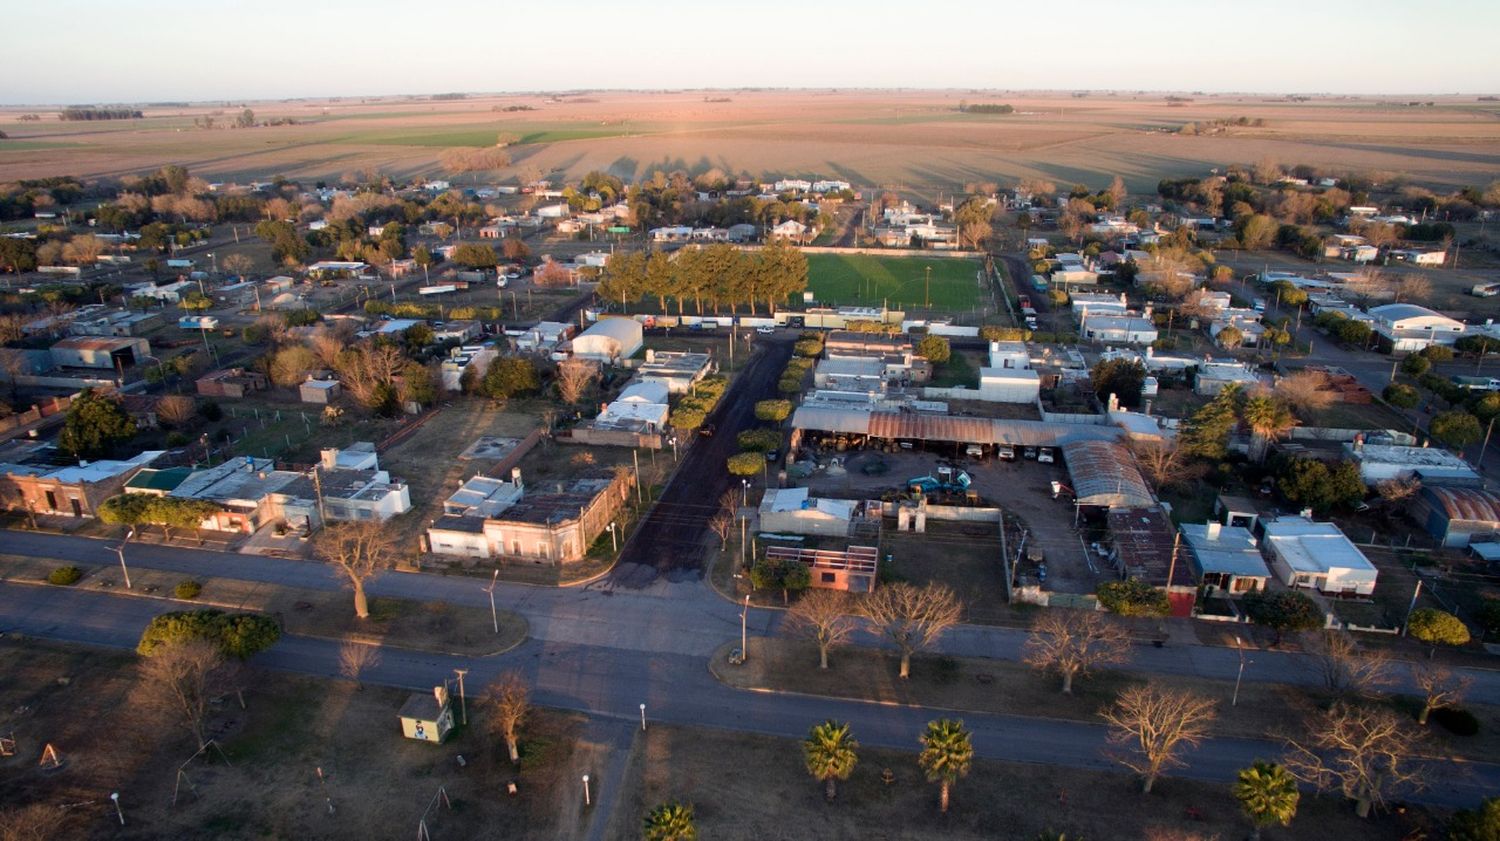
{"x":1456,"y":720}
{"x":1133,"y":597}
{"x":65,"y":576}
{"x":1437,"y":353}
{"x":1401,"y":395}
{"x":996,"y":333}
{"x":808,"y":347}
{"x":238,"y":635}
{"x":746,"y":464}
{"x":187,"y":589}
{"x":934,"y":349}
{"x":1416,"y":365}
{"x":774,"y":411}
{"x":759,"y":440}
{"x":211,"y":411}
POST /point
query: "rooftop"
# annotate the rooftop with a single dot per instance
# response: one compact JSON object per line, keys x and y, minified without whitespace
{"x":1231,"y":551}
{"x":1312,"y":547}
{"x":1467,"y":504}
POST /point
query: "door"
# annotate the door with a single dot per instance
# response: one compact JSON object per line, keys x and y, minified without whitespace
{"x":51,"y":501}
{"x":77,"y":506}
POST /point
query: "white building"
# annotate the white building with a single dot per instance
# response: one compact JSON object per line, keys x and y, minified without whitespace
{"x":1431,"y":465}
{"x":1009,"y":378}
{"x":641,"y":403}
{"x":1408,"y":327}
{"x":1214,"y":377}
{"x":792,"y":511}
{"x":610,"y":340}
{"x":1118,"y":329}
{"x":1318,"y":556}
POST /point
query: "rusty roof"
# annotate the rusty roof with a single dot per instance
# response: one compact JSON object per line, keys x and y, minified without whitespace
{"x":1467,"y":504}
{"x":1144,"y":539}
{"x":928,"y":426}
{"x":1105,"y":474}
{"x":96,"y":343}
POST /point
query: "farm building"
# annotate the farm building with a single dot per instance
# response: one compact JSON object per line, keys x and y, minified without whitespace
{"x":319,"y":391}
{"x":1455,"y":516}
{"x":230,"y":382}
{"x":792,"y":511}
{"x":103,"y":352}
{"x":1431,"y":465}
{"x":1226,"y":559}
{"x":1317,"y":555}
{"x":610,"y":340}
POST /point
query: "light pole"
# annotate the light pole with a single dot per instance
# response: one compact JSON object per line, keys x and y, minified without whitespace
{"x":744,"y":638}
{"x":115,"y":796}
{"x":494,"y":617}
{"x":1240,"y":647}
{"x":463,"y":702}
{"x":614,"y":546}
{"x":120,"y":550}
{"x":643,"y":717}
{"x":745,"y":486}
{"x":586,"y":800}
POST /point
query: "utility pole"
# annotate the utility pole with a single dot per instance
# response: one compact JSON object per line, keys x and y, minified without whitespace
{"x":927,"y":296}
{"x":744,"y":624}
{"x":494,"y":616}
{"x":120,"y":550}
{"x":1240,"y":647}
{"x":462,"y":701}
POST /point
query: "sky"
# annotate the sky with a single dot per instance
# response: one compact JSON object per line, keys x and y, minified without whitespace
{"x":92,"y":51}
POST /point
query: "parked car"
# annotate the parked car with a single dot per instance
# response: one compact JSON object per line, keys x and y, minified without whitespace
{"x":766,"y":331}
{"x":974,"y":451}
{"x":1029,"y":453}
{"x":1005,"y":452}
{"x":1045,"y":456}
{"x":707,"y":430}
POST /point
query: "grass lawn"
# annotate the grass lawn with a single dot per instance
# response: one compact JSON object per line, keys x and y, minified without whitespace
{"x":746,"y":787}
{"x":870,"y":280}
{"x":962,"y":368}
{"x":88,"y":703}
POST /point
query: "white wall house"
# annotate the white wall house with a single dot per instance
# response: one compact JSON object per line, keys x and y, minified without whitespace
{"x":1408,"y":327}
{"x":1118,"y":329}
{"x":1317,"y":556}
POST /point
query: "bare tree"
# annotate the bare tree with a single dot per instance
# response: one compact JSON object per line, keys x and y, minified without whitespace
{"x":183,"y":678}
{"x":824,"y":616}
{"x":1344,"y":666}
{"x":913,"y":617}
{"x":574,"y":376}
{"x":510,"y":701}
{"x":360,"y":550}
{"x":1413,"y":288}
{"x":1071,"y":642}
{"x":1151,"y":725}
{"x":1439,"y":685}
{"x":1364,"y":752}
{"x":1306,"y":392}
{"x":722,"y":521}
{"x":240,"y":265}
{"x":1395,"y":491}
{"x":175,"y":409}
{"x":1163,"y":461}
{"x":355,"y":659}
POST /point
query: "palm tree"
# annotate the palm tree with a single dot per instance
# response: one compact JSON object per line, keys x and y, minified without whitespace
{"x":1267,"y":419}
{"x":947,"y":753}
{"x":829,"y":753}
{"x":670,"y":822}
{"x":1268,"y":794}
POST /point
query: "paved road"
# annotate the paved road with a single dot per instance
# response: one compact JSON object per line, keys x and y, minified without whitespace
{"x":609,"y":683}
{"x":669,"y":543}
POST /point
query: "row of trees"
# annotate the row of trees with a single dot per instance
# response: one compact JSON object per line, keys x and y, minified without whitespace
{"x":718,"y":275}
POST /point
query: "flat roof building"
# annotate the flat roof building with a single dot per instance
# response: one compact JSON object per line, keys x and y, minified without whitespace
{"x":1317,"y":556}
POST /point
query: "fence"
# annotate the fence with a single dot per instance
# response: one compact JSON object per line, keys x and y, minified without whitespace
{"x":502,"y":469}
{"x":48,"y":407}
{"x":609,"y":438}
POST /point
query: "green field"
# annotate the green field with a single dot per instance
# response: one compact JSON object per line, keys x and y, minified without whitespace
{"x":898,"y":282}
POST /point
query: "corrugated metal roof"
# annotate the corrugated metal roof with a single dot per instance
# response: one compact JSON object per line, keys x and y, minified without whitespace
{"x":926,"y":426}
{"x":1104,"y":474}
{"x":1468,"y":504}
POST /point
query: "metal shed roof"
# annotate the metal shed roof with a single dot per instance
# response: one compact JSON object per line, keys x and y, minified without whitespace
{"x":926,"y":426}
{"x":1466,"y":504}
{"x":1104,"y":474}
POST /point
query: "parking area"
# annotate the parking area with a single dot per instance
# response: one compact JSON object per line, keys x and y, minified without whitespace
{"x":1023,"y":488}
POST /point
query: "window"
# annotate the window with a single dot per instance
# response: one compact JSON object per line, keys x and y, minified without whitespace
{"x":829,"y":578}
{"x":541,"y":548}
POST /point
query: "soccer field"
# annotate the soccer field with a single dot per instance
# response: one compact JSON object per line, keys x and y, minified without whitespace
{"x":899,"y":282}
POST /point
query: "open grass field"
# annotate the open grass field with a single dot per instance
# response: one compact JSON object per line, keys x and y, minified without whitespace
{"x":900,"y":282}
{"x":915,"y":141}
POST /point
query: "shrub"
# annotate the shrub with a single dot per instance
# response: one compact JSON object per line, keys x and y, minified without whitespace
{"x":238,"y":634}
{"x":1133,"y":597}
{"x":759,"y":440}
{"x":187,"y":589}
{"x":808,"y":347}
{"x":1401,"y":395}
{"x":1456,"y":720}
{"x":65,"y":576}
{"x":746,"y":464}
{"x":774,"y":411}
{"x":1416,"y":365}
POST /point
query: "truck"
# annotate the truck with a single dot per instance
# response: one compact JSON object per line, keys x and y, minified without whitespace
{"x":179,"y":263}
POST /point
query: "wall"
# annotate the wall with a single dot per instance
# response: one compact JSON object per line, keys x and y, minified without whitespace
{"x":609,"y":438}
{"x":964,"y":514}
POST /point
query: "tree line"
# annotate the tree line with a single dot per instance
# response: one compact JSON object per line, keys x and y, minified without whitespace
{"x":718,"y":275}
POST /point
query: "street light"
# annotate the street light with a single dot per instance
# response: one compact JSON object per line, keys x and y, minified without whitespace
{"x":1239,"y":646}
{"x":494,"y":617}
{"x":613,"y":545}
{"x":115,"y":796}
{"x":744,"y":639}
{"x":120,"y":550}
{"x":643,"y":717}
{"x":586,"y":800}
{"x":745,"y":485}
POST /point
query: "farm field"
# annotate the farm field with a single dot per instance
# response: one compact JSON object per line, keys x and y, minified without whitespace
{"x":912,"y":141}
{"x":870,"y":280}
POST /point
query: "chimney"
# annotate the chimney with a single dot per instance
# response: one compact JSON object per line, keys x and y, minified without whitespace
{"x":515,"y":476}
{"x":650,"y":356}
{"x":329,"y":457}
{"x":1214,"y":527}
{"x":1114,"y":402}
